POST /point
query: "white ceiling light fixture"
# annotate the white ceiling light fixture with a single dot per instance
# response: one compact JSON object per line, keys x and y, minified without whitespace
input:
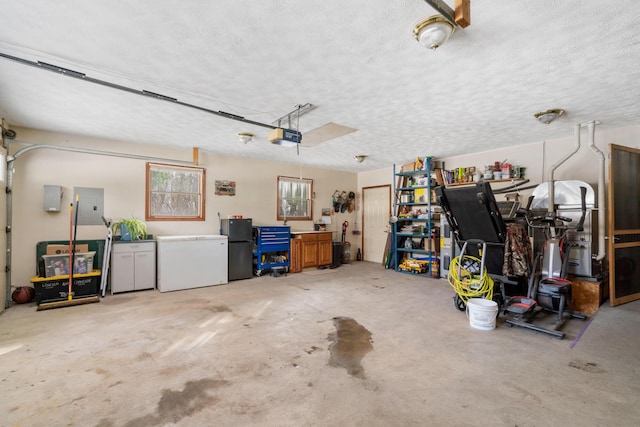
{"x":547,"y":116}
{"x":360,"y":157}
{"x":433,"y":32}
{"x":245,"y":137}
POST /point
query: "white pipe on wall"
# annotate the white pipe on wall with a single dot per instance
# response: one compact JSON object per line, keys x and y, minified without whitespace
{"x":10,"y":160}
{"x":30,"y":147}
{"x":591,"y":127}
{"x":551,"y":202}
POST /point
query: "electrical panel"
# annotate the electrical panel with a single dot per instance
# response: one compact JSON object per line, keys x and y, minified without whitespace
{"x":90,"y":205}
{"x":52,"y":198}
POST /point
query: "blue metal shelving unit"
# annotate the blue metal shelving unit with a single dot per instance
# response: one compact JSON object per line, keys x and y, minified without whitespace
{"x":399,"y":251}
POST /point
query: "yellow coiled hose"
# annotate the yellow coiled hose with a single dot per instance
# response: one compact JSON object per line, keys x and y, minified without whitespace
{"x":470,"y":284}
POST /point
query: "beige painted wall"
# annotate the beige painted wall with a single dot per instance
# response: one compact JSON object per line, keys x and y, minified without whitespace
{"x":537,"y":158}
{"x":123,"y":181}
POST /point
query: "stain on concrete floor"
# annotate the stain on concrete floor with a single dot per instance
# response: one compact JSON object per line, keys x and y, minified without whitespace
{"x":349,"y":344}
{"x":312,"y":349}
{"x":586,"y":366}
{"x":176,"y":405}
{"x":219,"y":309}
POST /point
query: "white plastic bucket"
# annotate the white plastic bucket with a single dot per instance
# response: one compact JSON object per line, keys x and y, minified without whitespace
{"x":482,"y":313}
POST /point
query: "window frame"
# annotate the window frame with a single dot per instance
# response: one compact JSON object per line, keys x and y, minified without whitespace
{"x":198,"y":216}
{"x":280,"y":215}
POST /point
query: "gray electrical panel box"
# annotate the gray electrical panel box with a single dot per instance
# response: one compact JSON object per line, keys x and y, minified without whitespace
{"x":90,"y":206}
{"x":52,"y":198}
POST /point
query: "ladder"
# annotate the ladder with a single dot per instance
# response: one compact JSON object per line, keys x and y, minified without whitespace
{"x":106,"y":257}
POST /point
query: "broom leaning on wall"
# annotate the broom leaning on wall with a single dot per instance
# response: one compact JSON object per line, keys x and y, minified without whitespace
{"x":73,"y":228}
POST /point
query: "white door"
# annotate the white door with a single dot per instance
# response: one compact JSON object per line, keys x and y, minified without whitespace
{"x":376,"y":204}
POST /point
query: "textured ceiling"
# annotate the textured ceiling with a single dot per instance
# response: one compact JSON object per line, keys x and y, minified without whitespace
{"x":356,"y":61}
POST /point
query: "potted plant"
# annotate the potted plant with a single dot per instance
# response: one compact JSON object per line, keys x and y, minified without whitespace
{"x":130,"y":229}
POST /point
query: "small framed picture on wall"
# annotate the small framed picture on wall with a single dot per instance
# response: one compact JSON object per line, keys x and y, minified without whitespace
{"x":225,"y":188}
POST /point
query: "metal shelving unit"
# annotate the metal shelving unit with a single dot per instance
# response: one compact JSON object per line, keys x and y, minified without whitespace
{"x":422,"y":229}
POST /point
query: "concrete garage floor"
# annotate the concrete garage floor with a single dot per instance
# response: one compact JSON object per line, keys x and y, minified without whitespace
{"x":256,"y":353}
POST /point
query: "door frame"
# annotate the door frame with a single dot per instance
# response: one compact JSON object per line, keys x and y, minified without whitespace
{"x":630,"y":237}
{"x":364,"y":226}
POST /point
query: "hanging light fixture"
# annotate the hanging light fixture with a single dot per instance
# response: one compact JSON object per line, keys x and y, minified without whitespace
{"x":245,"y":137}
{"x":433,"y":32}
{"x":548,"y":116}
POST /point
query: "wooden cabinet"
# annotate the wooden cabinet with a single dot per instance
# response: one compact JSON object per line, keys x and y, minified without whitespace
{"x":316,"y":248}
{"x":133,"y":266}
{"x":295,"y":265}
{"x":309,"y":250}
{"x":325,"y":249}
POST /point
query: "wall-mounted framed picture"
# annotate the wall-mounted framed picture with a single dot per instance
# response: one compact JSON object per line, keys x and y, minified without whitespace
{"x":225,"y":188}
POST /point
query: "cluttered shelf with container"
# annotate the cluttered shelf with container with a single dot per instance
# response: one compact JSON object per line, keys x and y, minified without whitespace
{"x":498,"y":172}
{"x":418,"y":247}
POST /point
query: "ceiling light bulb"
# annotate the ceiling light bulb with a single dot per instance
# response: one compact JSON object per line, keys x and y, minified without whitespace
{"x":548,"y":116}
{"x":245,"y":136}
{"x":360,"y":157}
{"x":433,"y":31}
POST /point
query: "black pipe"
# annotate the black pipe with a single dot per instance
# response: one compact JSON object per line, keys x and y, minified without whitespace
{"x":81,"y":76}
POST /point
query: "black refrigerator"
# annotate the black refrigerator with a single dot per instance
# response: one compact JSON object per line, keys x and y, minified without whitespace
{"x":240,"y":234}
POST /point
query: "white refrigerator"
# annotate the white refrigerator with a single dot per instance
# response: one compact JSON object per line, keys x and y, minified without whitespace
{"x":186,"y":262}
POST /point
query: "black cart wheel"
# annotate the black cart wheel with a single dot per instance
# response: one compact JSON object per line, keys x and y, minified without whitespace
{"x":459,"y":303}
{"x":498,"y":300}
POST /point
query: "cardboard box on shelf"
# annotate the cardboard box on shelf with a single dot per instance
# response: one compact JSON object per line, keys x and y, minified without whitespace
{"x":432,"y":244}
{"x":426,"y":243}
{"x":408,"y":167}
{"x":64,"y":249}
